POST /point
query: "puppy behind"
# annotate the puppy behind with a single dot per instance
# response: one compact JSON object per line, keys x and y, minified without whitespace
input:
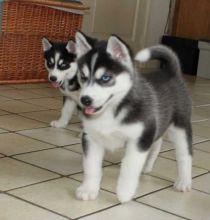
{"x":122,"y":108}
{"x":62,"y":69}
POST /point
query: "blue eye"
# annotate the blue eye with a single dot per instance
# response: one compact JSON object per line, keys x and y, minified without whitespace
{"x":106,"y":78}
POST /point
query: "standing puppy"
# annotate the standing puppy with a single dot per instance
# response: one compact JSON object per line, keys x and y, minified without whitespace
{"x":62,"y":70}
{"x":122,"y":108}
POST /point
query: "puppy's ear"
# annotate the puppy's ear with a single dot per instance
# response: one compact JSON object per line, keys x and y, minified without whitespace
{"x":46,"y":44}
{"x":82,"y":45}
{"x":71,"y":47}
{"x":119,"y":50}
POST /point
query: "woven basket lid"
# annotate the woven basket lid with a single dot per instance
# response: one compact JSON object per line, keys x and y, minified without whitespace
{"x":71,"y":4}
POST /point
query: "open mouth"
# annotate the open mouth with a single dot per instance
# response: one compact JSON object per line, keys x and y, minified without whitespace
{"x":91,"y":110}
{"x":56,"y":84}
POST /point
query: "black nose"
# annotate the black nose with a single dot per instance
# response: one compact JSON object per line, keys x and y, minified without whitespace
{"x":86,"y":100}
{"x":53,"y":78}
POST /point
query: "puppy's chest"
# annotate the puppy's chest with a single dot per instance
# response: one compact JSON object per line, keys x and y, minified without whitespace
{"x":106,"y":132}
{"x":72,"y":94}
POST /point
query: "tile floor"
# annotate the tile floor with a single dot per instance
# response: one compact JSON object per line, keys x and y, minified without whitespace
{"x":40,"y":167}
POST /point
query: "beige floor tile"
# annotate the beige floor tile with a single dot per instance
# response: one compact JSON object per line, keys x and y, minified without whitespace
{"x":3,"y":112}
{"x":12,"y":208}
{"x":75,"y":127}
{"x":15,"y":123}
{"x":1,"y":155}
{"x":166,"y":146}
{"x":4,"y":99}
{"x":167,"y":169}
{"x":201,"y":99}
{"x":17,"y":174}
{"x":58,"y":160}
{"x":193,"y":205}
{"x":18,"y":94}
{"x":16,"y":106}
{"x":31,"y":85}
{"x":202,"y":183}
{"x":147,"y":183}
{"x":55,"y":136}
{"x":50,"y":103}
{"x":59,"y":195}
{"x":197,"y":117}
{"x":114,"y":157}
{"x":205,"y":123}
{"x":198,"y":139}
{"x":204,"y":146}
{"x":11,"y":144}
{"x":202,"y":111}
{"x":46,"y":92}
{"x":47,"y":116}
{"x":132,"y":211}
{"x":2,"y":131}
{"x":5,"y":87}
{"x":200,"y":159}
{"x":200,"y":130}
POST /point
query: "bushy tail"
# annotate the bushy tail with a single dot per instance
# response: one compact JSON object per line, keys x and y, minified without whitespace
{"x":162,"y":53}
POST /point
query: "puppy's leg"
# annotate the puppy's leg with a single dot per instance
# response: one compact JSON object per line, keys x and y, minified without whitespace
{"x":182,"y":139}
{"x":132,"y":165}
{"x":153,"y":154}
{"x":92,"y":165}
{"x":66,"y":114}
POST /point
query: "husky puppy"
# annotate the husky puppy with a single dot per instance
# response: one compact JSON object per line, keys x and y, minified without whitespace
{"x":122,"y":108}
{"x":62,"y":69}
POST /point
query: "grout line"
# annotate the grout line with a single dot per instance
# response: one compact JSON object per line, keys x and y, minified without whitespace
{"x":162,"y":210}
{"x":34,"y":204}
{"x":158,"y":190}
{"x":201,"y":191}
{"x":32,"y":184}
{"x":34,"y":165}
{"x":98,"y":211}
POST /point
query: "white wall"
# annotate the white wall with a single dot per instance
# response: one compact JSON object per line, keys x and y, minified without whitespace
{"x":158,"y":14}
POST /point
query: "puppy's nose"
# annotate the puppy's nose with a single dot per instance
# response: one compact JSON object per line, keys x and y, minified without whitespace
{"x":53,"y":78}
{"x":86,"y":100}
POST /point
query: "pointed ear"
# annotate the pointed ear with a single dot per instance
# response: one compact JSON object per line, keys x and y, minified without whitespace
{"x":46,"y":44}
{"x":71,"y":47}
{"x":119,"y":50}
{"x":82,"y":45}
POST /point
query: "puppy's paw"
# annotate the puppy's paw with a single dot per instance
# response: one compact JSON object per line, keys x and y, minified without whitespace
{"x":125,"y":194}
{"x":86,"y":193}
{"x":147,"y":169}
{"x":58,"y":124}
{"x":183,"y":185}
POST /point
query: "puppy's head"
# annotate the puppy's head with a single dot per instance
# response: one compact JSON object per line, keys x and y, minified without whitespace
{"x":105,"y":74}
{"x":59,"y":61}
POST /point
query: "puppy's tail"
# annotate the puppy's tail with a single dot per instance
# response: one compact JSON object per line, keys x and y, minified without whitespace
{"x":162,"y":53}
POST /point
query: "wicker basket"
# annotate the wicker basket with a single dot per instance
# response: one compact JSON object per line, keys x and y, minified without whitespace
{"x":23,"y":26}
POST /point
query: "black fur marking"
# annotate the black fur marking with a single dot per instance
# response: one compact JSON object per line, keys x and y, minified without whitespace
{"x":147,"y":138}
{"x":64,"y":99}
{"x":84,"y":143}
{"x":74,"y":84}
{"x":64,"y":55}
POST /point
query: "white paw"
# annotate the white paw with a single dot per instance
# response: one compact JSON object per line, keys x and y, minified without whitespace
{"x":124,"y":194}
{"x":183,"y":185}
{"x":58,"y":124}
{"x":85,"y":193}
{"x":147,"y":169}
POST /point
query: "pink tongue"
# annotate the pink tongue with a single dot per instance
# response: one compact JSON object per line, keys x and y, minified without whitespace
{"x":55,"y":84}
{"x":89,"y":110}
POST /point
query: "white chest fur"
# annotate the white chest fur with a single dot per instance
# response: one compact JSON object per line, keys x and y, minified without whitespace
{"x":109,"y":132}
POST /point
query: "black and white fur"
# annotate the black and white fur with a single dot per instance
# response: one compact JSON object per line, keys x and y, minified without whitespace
{"x":123,"y":108}
{"x":62,"y":69}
